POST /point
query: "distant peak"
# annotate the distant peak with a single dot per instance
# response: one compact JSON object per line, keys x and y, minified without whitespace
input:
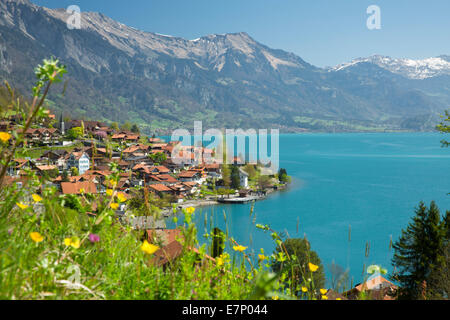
{"x":409,"y":68}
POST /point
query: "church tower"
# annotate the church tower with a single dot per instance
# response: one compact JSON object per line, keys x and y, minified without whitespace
{"x":62,"y":126}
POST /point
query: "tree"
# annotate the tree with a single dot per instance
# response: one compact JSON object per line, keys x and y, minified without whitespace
{"x":418,"y":251}
{"x":252,"y":172}
{"x":264,"y":182}
{"x":444,"y":127}
{"x":438,"y":286}
{"x":282,"y":176}
{"x":158,"y":157}
{"x":226,"y":175}
{"x":235,"y":177}
{"x":298,"y":269}
{"x":74,"y":171}
{"x":65,"y":176}
{"x":126,"y":126}
{"x":75,"y":133}
{"x":114,"y":126}
{"x":134,"y":128}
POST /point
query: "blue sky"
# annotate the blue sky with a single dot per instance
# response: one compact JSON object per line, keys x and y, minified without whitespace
{"x":322,"y":32}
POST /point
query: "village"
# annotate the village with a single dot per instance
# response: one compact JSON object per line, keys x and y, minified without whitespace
{"x":76,"y":157}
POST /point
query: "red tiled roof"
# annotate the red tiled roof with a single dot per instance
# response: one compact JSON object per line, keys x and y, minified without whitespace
{"x":166,"y":236}
{"x":46,"y":168}
{"x":159,"y":187}
{"x":74,"y":188}
{"x":187,"y":174}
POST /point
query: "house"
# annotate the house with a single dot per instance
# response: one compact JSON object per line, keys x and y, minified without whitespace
{"x":79,"y":160}
{"x":164,"y":236}
{"x":19,"y":166}
{"x":56,"y":157}
{"x":172,"y":247}
{"x":243,"y":178}
{"x":160,"y":189}
{"x":155,"y":140}
{"x":213,"y":170}
{"x":42,"y":136}
{"x":126,"y":137}
{"x":89,"y":126}
{"x":189,"y":176}
{"x":78,"y":187}
{"x":377,"y":287}
{"x":47,"y":170}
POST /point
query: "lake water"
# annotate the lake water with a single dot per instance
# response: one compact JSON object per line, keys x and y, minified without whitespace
{"x":371,"y":182}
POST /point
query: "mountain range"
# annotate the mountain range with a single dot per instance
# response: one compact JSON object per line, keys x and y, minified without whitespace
{"x":118,"y":73}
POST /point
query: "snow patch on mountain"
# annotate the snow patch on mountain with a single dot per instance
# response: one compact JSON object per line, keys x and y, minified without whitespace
{"x":409,"y":68}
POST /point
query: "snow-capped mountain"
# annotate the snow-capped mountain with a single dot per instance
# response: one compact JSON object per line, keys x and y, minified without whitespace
{"x":118,"y":73}
{"x":409,"y":68}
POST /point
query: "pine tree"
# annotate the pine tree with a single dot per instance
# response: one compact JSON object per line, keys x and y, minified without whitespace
{"x":235,"y":178}
{"x":418,"y":251}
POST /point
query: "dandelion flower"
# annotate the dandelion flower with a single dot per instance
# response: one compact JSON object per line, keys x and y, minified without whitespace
{"x":304,"y":289}
{"x":36,"y":237}
{"x":5,"y":136}
{"x":22,"y":206}
{"x":323,"y":291}
{"x":121,"y":197}
{"x":190,"y":210}
{"x":148,"y":247}
{"x":36,"y":198}
{"x":261,"y":257}
{"x":239,"y":248}
{"x":312,"y":267}
{"x":72,"y":242}
{"x":114,"y":205}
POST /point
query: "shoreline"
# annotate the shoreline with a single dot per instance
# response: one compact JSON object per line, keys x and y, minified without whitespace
{"x":168,"y":212}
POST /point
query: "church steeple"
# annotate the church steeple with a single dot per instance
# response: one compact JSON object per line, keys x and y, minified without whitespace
{"x":62,"y":126}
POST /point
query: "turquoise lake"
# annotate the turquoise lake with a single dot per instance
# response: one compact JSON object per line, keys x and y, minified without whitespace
{"x":371,"y":182}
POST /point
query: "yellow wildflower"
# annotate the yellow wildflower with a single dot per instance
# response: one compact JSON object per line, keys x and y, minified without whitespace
{"x":114,"y":205}
{"x":5,"y":136}
{"x":121,"y":197}
{"x":36,"y":198}
{"x":324,"y":298}
{"x":219,"y":261}
{"x":113,"y":183}
{"x":304,"y":289}
{"x":148,"y":247}
{"x":239,"y":248}
{"x":36,"y":237}
{"x":22,"y":206}
{"x":313,"y":267}
{"x":109,"y":192}
{"x":82,"y":190}
{"x":338,"y":299}
{"x":275,"y":297}
{"x":73,"y":242}
{"x":190,"y":210}
{"x":323,"y":291}
{"x":261,"y":257}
